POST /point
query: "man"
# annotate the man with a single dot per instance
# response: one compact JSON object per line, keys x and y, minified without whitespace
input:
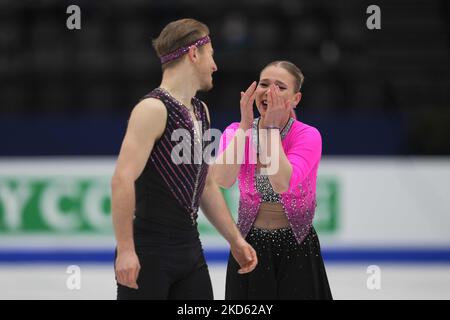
{"x":154,"y":198}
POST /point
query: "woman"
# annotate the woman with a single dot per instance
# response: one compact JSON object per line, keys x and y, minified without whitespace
{"x":277,"y":190}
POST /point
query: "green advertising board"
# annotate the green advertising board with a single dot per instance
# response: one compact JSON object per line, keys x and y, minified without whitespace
{"x":82,"y":205}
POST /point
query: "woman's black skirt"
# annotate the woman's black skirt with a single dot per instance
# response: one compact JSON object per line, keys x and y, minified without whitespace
{"x":285,"y":270}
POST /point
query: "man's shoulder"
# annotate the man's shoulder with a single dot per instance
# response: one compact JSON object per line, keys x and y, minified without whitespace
{"x":149,"y":114}
{"x":150,"y":106}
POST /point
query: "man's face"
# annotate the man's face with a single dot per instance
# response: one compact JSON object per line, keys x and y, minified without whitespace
{"x":206,"y":67}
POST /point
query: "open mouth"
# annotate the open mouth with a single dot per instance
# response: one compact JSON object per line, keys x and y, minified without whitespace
{"x":264,"y":104}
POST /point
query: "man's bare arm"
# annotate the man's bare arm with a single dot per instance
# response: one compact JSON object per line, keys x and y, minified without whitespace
{"x":216,"y":210}
{"x":146,"y":125}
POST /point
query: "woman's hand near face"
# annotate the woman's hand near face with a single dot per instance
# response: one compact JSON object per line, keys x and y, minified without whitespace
{"x":278,"y":109}
{"x":247,"y":100}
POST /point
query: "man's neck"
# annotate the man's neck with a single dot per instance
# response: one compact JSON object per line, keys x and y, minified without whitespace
{"x":178,"y":87}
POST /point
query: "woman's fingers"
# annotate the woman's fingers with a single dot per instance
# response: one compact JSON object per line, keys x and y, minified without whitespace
{"x":269,"y":98}
{"x":248,"y":93}
{"x":251,"y":100}
{"x":252,"y":87}
{"x":279,"y":99}
{"x":274,"y":97}
{"x":249,"y":267}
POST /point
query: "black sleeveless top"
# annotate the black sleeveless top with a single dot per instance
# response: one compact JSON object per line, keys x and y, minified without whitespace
{"x":168,"y":190}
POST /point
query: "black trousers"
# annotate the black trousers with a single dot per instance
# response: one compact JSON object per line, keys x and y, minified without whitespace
{"x":286,"y":270}
{"x":173,"y":273}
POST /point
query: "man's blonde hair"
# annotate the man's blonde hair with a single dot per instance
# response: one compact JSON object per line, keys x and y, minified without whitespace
{"x":177,"y":34}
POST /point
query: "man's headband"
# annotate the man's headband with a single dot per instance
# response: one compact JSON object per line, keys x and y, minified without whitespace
{"x":183,"y":50}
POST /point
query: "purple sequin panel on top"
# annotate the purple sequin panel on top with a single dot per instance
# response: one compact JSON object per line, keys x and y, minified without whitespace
{"x":185,"y":181}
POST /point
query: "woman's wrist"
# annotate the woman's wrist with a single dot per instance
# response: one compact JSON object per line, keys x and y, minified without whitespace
{"x":244,"y":126}
{"x":271,"y":127}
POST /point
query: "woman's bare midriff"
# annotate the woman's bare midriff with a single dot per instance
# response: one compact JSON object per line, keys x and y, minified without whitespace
{"x":271,"y":216}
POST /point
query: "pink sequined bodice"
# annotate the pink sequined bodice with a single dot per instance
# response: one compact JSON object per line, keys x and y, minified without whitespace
{"x":302,"y":145}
